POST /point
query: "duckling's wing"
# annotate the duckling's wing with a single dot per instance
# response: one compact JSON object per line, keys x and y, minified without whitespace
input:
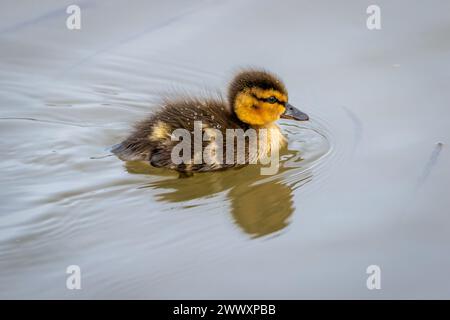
{"x":161,"y":157}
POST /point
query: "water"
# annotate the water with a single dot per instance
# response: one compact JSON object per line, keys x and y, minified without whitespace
{"x":364,"y":182}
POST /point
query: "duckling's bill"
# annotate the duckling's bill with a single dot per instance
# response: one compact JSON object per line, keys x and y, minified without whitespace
{"x":293,"y":113}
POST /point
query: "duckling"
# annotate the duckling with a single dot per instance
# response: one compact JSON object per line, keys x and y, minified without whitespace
{"x":256,"y":100}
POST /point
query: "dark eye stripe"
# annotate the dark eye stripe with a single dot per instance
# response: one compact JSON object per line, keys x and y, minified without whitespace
{"x":267,"y":100}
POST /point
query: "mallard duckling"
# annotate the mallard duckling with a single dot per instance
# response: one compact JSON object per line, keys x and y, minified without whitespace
{"x":256,"y":99}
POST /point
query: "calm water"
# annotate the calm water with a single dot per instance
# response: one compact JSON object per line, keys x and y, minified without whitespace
{"x":364,"y":182}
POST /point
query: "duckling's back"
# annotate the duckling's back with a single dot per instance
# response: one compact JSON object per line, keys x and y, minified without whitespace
{"x":151,"y":139}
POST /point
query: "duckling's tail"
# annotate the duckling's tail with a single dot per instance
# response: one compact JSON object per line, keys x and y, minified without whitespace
{"x":129,"y":152}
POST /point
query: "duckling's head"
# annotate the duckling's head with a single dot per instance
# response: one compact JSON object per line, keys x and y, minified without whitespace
{"x":259,"y":98}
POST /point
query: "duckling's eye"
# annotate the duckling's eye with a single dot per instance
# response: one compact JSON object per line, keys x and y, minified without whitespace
{"x":272,"y":99}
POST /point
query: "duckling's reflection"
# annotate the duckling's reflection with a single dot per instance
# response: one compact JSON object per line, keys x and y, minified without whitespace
{"x":260,"y":205}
